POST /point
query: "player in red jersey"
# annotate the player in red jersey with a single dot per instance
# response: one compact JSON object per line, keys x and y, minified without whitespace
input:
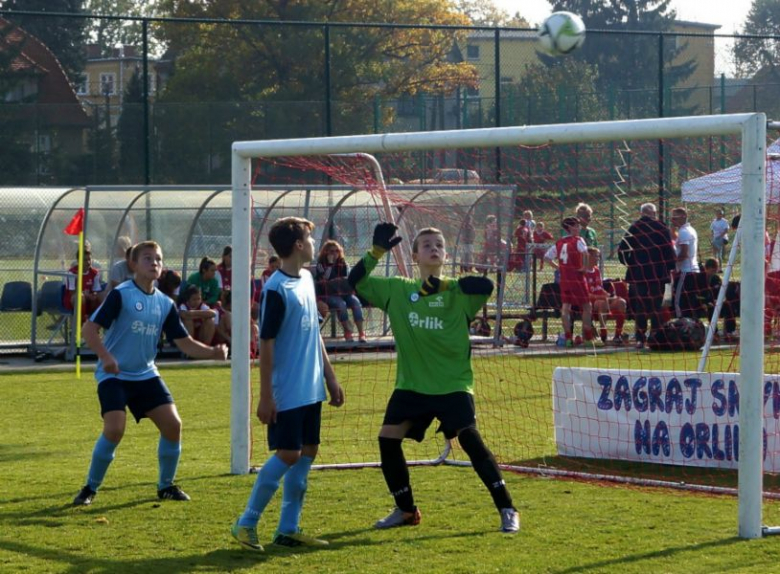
{"x":571,"y":255}
{"x":603,"y":301}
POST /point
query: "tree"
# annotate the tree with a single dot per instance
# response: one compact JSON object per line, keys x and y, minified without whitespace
{"x":272,"y":79}
{"x":63,"y":36}
{"x":108,"y":33}
{"x":752,"y":55}
{"x":130,"y":132}
{"x":628,"y":64}
{"x":486,"y":13}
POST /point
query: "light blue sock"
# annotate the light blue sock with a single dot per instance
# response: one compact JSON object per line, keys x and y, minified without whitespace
{"x":295,"y":482}
{"x":266,"y":484}
{"x":168,"y":453}
{"x":102,"y":455}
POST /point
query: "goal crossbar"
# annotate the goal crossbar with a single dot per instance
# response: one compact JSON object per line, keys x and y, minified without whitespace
{"x":752,"y":128}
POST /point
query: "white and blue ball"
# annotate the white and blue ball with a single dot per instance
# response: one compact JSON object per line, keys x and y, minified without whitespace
{"x":561,"y":33}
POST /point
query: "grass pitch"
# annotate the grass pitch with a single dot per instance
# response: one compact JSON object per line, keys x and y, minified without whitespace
{"x":49,"y":422}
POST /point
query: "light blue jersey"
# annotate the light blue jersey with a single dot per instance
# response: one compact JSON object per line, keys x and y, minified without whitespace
{"x":297,"y":378}
{"x":134,"y":321}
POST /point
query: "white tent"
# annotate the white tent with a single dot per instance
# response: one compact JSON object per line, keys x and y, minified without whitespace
{"x":725,"y":186}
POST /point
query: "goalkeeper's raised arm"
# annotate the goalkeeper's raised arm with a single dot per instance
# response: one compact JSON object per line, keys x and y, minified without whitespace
{"x":384,"y":240}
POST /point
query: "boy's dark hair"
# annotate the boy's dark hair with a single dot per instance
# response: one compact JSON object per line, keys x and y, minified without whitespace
{"x":188,"y":292}
{"x":206,"y":264}
{"x":143,"y":246}
{"x":286,"y":231}
{"x":569,"y":221}
{"x":424,"y":231}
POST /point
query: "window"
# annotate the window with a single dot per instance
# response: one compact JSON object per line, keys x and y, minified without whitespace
{"x":472,"y":52}
{"x":82,"y":88}
{"x":108,"y":84}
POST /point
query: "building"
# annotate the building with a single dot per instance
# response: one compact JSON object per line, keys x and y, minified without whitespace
{"x":40,"y":109}
{"x":518,"y":49}
{"x":106,"y":78}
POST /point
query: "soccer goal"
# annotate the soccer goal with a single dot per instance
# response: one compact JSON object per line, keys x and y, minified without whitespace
{"x":603,"y":412}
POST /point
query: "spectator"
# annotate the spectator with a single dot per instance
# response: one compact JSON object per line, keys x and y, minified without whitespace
{"x":720,"y":235}
{"x":522,"y":239}
{"x":120,"y":271}
{"x":257,"y":285}
{"x":572,"y":256}
{"x":225,"y":268}
{"x":686,"y":248}
{"x":206,"y":280}
{"x":90,"y":287}
{"x":585,"y":214}
{"x":492,"y":241}
{"x":333,"y":288}
{"x":468,"y":236}
{"x":528,"y":215}
{"x":603,"y":301}
{"x":646,"y":251}
{"x":198,"y":318}
{"x":224,"y":319}
{"x":540,"y":237}
{"x":169,"y":283}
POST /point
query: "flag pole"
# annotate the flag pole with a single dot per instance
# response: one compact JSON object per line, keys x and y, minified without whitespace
{"x":76,"y":227}
{"x":79,"y":303}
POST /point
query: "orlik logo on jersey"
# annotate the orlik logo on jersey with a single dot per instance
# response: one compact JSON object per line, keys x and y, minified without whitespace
{"x":430,"y":323}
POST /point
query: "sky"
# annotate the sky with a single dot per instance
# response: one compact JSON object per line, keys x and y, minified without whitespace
{"x":729,"y":14}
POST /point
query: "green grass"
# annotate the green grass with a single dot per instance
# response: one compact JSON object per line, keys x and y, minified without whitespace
{"x":49,"y":422}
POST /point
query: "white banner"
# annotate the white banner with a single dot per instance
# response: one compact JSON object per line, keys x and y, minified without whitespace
{"x":664,"y":417}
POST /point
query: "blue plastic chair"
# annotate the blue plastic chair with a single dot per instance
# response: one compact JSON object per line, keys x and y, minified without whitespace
{"x":16,"y":297}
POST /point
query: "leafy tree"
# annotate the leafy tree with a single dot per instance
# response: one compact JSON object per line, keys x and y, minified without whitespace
{"x":108,"y":33}
{"x":486,"y":13}
{"x":629,"y":63}
{"x":63,"y":36}
{"x":273,"y":78}
{"x":752,"y":55}
{"x":130,"y":132}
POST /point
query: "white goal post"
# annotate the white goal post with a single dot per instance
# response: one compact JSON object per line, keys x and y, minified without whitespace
{"x":752,"y":128}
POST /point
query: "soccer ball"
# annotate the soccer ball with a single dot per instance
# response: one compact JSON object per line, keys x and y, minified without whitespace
{"x":561,"y":33}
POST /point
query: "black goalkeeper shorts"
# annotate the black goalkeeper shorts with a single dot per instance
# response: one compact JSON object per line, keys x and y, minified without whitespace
{"x":455,"y":412}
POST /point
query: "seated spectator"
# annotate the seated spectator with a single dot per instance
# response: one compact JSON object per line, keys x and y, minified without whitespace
{"x":700,"y":291}
{"x":225,"y":268}
{"x":541,"y":236}
{"x":206,"y":280}
{"x":330,"y":278}
{"x":603,"y":301}
{"x":90,"y":287}
{"x":122,"y":270}
{"x":169,"y":283}
{"x":199,"y":320}
{"x":257,"y":284}
{"x":224,"y":323}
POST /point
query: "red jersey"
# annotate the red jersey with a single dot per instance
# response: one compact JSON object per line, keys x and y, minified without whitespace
{"x":542,"y":236}
{"x":568,"y":251}
{"x":595,"y":284}
{"x":522,"y":237}
{"x":90,"y":282}
{"x":226,"y":275}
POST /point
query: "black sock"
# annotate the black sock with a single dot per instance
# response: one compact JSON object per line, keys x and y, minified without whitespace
{"x":486,"y":467}
{"x":396,"y":473}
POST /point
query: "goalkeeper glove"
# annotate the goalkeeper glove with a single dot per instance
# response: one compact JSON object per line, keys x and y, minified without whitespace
{"x":383,"y":239}
{"x":432,"y":285}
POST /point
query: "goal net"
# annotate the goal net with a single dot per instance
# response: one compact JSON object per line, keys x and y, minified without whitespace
{"x":550,"y":399}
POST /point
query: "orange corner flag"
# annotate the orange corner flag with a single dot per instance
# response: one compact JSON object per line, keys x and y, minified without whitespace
{"x":76,"y":224}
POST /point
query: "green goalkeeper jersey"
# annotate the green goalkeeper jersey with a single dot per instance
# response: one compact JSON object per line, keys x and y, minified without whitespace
{"x":431,"y":333}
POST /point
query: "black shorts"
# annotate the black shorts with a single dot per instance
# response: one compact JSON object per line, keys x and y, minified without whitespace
{"x":295,"y":427}
{"x":139,"y":396}
{"x":455,"y":412}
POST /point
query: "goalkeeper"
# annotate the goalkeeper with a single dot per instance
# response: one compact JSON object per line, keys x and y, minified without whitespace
{"x":430,"y":320}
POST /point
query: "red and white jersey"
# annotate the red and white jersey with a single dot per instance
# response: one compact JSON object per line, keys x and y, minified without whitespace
{"x":568,"y":251}
{"x":595,"y":284}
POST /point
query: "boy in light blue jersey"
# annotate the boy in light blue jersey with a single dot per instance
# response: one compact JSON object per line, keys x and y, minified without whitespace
{"x":134,"y":315}
{"x":293,"y":362}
